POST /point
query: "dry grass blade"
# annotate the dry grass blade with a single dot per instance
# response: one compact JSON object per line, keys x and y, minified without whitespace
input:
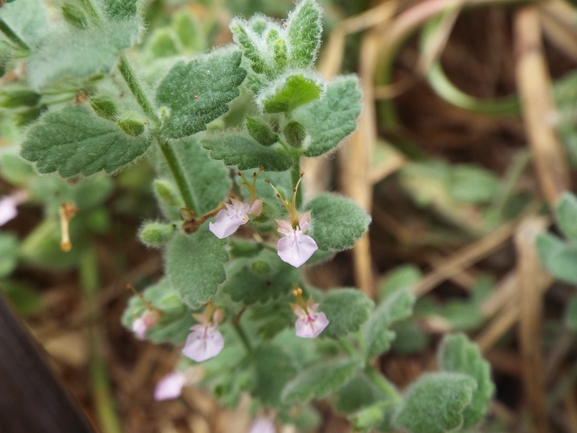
{"x":530,"y":304}
{"x":558,"y":20}
{"x":463,"y":259}
{"x":570,"y":402}
{"x":534,"y":86}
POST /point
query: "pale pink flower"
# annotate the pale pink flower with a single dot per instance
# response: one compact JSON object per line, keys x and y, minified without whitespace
{"x":295,"y":247}
{"x":148,"y":319}
{"x":170,"y":386}
{"x":262,"y":425}
{"x":230,"y":219}
{"x":309,"y":323}
{"x":205,"y":341}
{"x":8,"y":204}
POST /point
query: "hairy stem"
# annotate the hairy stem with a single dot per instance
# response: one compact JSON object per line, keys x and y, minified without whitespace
{"x":295,"y":176}
{"x":383,"y":384}
{"x":10,"y":34}
{"x":137,"y":89}
{"x":100,"y":383}
{"x":178,"y":175}
{"x":242,"y":334}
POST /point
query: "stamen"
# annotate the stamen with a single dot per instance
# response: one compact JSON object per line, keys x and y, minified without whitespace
{"x":66,"y":211}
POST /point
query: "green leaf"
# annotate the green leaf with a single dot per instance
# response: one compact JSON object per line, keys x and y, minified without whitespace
{"x":566,"y":210}
{"x":304,"y":33}
{"x":402,"y":277}
{"x":195,"y":265}
{"x":176,"y":320}
{"x":28,"y":19}
{"x":398,"y":305}
{"x":562,"y":263}
{"x":260,"y":131}
{"x":571,"y":314}
{"x":241,"y":150}
{"x":411,"y":339}
{"x":27,"y":300}
{"x":360,"y":392}
{"x":243,"y":248}
{"x":247,"y":41}
{"x":331,"y":119}
{"x":15,"y":170}
{"x":73,"y":52}
{"x":74,"y":141}
{"x":291,"y":92}
{"x":274,"y":369}
{"x":435,"y":403}
{"x":259,"y":279}
{"x":548,"y":244}
{"x":189,"y":31}
{"x":208,"y":180}
{"x":337,"y":222}
{"x":346,"y":309}
{"x":120,"y":9}
{"x":459,"y":355}
{"x":471,"y":184}
{"x":199,"y":92}
{"x":8,"y":253}
{"x":319,"y":379}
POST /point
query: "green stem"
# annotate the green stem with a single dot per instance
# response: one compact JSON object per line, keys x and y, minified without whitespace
{"x":100,"y":383}
{"x":177,"y":173}
{"x":383,"y":384}
{"x":137,"y":89}
{"x":295,"y":176}
{"x":242,"y":334}
{"x":504,"y":193}
{"x":348,"y":347}
{"x":5,"y":28}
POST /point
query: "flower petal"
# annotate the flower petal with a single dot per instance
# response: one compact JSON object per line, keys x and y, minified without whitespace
{"x":311,"y":326}
{"x":230,"y":219}
{"x":170,"y":386}
{"x":8,"y":209}
{"x":296,"y":249}
{"x":204,"y":342}
{"x":262,"y":425}
{"x":139,"y":327}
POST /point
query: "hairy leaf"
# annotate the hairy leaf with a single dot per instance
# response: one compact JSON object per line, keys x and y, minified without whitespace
{"x":199,"y":92}
{"x":75,"y":141}
{"x":304,"y":33}
{"x":567,"y":215}
{"x":8,"y":253}
{"x":291,"y":92}
{"x":346,"y":309}
{"x":195,"y":265}
{"x":274,"y":370}
{"x":332,"y":118}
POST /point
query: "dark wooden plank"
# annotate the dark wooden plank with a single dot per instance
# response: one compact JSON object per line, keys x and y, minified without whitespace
{"x":32,"y":399}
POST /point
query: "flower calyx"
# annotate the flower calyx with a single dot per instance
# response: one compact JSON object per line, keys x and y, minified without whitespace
{"x":191,"y":224}
{"x":310,"y":323}
{"x":205,"y":341}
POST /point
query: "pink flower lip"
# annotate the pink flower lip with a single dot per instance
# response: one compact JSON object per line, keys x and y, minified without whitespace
{"x":262,"y":424}
{"x":310,"y":323}
{"x":204,"y":342}
{"x":295,"y":247}
{"x":170,"y":386}
{"x":230,"y":219}
{"x":148,"y":319}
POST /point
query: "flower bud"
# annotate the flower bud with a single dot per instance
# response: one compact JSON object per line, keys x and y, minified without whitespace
{"x":74,"y":16}
{"x":18,"y":98}
{"x":155,"y":234}
{"x":294,"y":133}
{"x":166,"y":193}
{"x":104,"y":107}
{"x":131,"y":125}
{"x":260,"y":131}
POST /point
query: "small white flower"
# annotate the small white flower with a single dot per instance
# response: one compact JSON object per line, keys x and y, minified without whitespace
{"x":295,"y":247}
{"x":205,"y":341}
{"x":262,"y":425}
{"x":170,"y":386}
{"x":148,"y":319}
{"x":230,"y":219}
{"x":310,"y":323}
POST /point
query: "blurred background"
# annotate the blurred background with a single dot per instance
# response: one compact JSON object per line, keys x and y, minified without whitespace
{"x":467,"y":140}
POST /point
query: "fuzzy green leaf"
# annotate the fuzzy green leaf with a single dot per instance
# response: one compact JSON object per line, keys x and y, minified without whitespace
{"x":207,"y":180}
{"x":304,"y":33}
{"x":274,"y":370}
{"x":547,"y":244}
{"x":459,"y":355}
{"x":319,"y":379}
{"x":260,"y":131}
{"x":241,"y":150}
{"x":195,"y":265}
{"x":562,"y":263}
{"x":346,"y":309}
{"x":566,"y":210}
{"x":435,"y":403}
{"x":402,"y":277}
{"x":75,"y":141}
{"x":72,"y":52}
{"x":247,"y":41}
{"x":471,"y":184}
{"x":331,"y":119}
{"x":360,"y":392}
{"x":290,"y":93}
{"x":8,"y":254}
{"x":120,"y":9}
{"x":259,"y":279}
{"x":199,"y":92}
{"x":337,"y":222}
{"x":176,"y":320}
{"x":27,"y":18}
{"x":398,"y":305}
